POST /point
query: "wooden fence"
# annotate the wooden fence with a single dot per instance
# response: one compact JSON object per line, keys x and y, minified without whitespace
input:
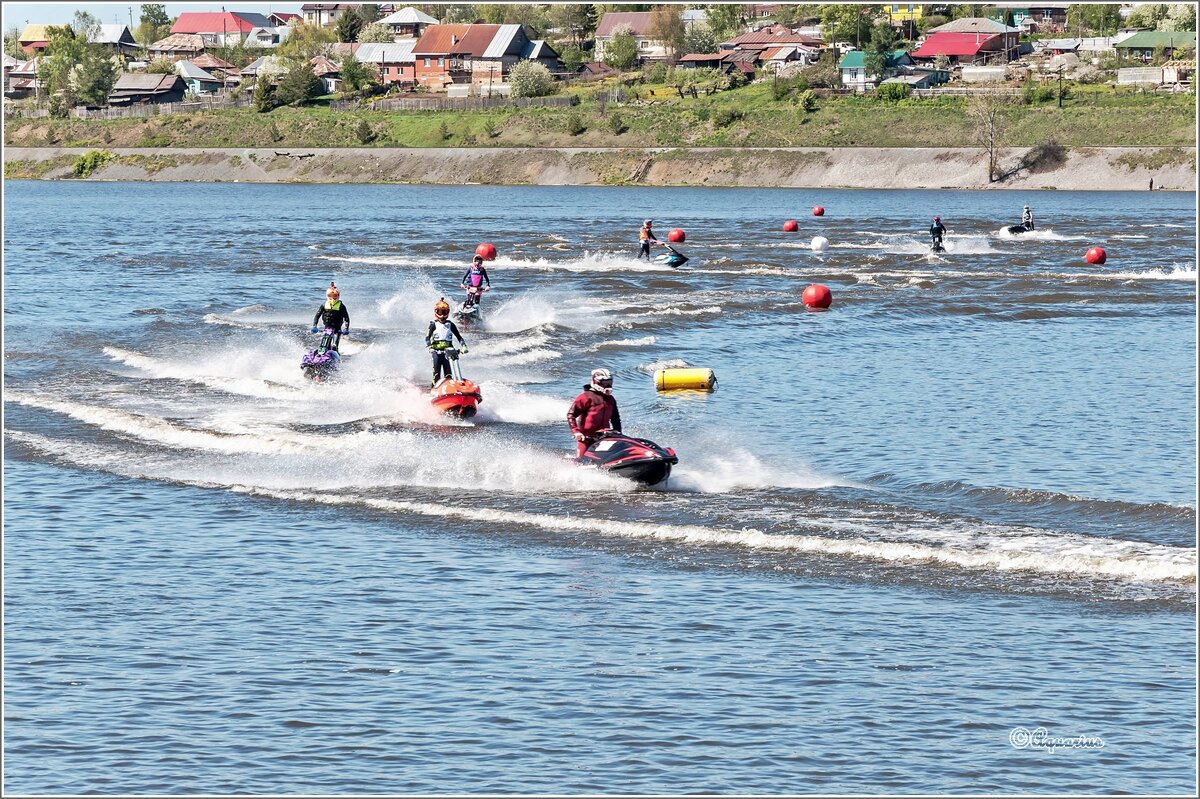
{"x":156,"y":109}
{"x":452,"y":103}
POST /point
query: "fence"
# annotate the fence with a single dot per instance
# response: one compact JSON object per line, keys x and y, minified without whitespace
{"x":156,"y":109}
{"x":963,"y":91}
{"x":453,"y":103}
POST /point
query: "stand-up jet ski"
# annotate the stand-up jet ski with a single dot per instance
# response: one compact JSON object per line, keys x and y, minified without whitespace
{"x":320,"y":364}
{"x":1016,"y":230}
{"x":673,"y":259}
{"x":470,"y":311}
{"x":636,"y":459}
{"x":455,"y":395}
{"x":937,"y":246}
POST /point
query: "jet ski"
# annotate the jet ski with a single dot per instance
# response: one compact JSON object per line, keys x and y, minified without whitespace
{"x":937,"y":246}
{"x":672,"y":259}
{"x":455,"y":395}
{"x":636,"y":459}
{"x":320,"y":364}
{"x":1016,"y":230}
{"x":469,"y":311}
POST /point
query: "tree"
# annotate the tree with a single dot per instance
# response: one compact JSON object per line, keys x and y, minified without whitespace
{"x":572,"y":58}
{"x":879,"y":51}
{"x":622,"y":51}
{"x":576,"y":21}
{"x":825,"y":73}
{"x":161,"y":66}
{"x":530,"y":79}
{"x":666,"y":26}
{"x":844,"y":23}
{"x":298,"y":85}
{"x":348,"y":26}
{"x":1147,"y":16}
{"x":368,"y":13}
{"x":726,"y":20}
{"x":86,"y":26}
{"x":699,"y":38}
{"x":154,"y":24}
{"x":986,"y":112}
{"x":264,"y":95}
{"x":458,"y":13}
{"x":357,"y":75}
{"x":305,"y":42}
{"x":376,"y":32}
{"x":12,"y":45}
{"x":1180,"y":17}
{"x":1093,"y":18}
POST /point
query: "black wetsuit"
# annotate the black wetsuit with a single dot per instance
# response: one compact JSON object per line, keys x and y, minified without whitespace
{"x":334,"y":318}
{"x":936,"y":231}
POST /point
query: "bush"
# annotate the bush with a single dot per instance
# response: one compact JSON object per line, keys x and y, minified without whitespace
{"x":808,"y":101}
{"x":489,"y":129}
{"x":657,"y":73}
{"x":574,"y":124}
{"x":616,"y":124}
{"x":530,"y":79}
{"x":892,"y":92}
{"x":273,"y":132}
{"x":780,"y":89}
{"x":443,"y":130}
{"x":264,"y":96}
{"x":725,"y":117}
{"x":364,"y":132}
{"x":90,"y":161}
{"x":298,"y":86}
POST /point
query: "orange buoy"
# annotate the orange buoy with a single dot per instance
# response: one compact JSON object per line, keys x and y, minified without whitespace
{"x":486,"y":251}
{"x":676,"y":236}
{"x":791,"y":226}
{"x":818,"y":211}
{"x":1096,"y":255}
{"x":817,"y":296}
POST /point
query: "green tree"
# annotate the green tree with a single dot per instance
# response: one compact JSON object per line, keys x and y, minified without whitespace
{"x":12,"y":45}
{"x":967,"y":11}
{"x":572,"y":58}
{"x":368,"y":13}
{"x":576,"y":21}
{"x":1093,"y":18}
{"x":666,"y":26}
{"x":153,"y":23}
{"x":845,"y":23}
{"x":305,"y":43}
{"x":699,"y":38}
{"x":1180,"y":17}
{"x":298,"y":86}
{"x":376,"y":32}
{"x":530,"y":79}
{"x":455,"y":13}
{"x":879,"y":51}
{"x":357,"y":75}
{"x":64,"y":51}
{"x":364,"y":133}
{"x":161,"y":66}
{"x":825,"y":73}
{"x":622,"y":51}
{"x":264,"y":96}
{"x":348,"y":26}
{"x":726,"y":20}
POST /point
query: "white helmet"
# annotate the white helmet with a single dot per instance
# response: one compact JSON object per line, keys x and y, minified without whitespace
{"x":1027,"y":208}
{"x":649,"y":222}
{"x":599,"y":376}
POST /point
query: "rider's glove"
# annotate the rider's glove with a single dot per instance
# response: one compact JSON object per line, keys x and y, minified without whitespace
{"x":579,"y":436}
{"x":315,"y":330}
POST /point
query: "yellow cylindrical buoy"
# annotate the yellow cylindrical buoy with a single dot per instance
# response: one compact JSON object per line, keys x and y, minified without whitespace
{"x":671,"y":379}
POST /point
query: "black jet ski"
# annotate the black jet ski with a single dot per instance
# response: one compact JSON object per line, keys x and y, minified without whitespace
{"x":937,"y":246}
{"x":672,"y":259}
{"x":1016,"y":230}
{"x":636,"y":459}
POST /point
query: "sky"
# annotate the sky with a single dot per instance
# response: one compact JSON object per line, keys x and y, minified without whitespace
{"x":19,"y":14}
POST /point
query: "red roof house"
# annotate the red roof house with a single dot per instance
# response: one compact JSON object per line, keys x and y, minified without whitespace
{"x":968,"y":48}
{"x":219,"y":27}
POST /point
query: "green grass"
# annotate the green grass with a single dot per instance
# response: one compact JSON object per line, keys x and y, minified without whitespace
{"x":1093,"y":116}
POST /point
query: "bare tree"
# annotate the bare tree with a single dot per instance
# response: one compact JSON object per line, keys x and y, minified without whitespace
{"x":986,"y":111}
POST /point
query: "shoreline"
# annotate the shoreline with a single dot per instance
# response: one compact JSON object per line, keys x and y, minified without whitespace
{"x":1067,"y":169}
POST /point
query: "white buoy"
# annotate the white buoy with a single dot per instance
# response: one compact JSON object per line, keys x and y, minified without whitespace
{"x":820,"y":244}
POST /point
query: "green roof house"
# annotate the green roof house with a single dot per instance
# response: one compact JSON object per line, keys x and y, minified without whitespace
{"x":1144,"y":44}
{"x":854,"y":68}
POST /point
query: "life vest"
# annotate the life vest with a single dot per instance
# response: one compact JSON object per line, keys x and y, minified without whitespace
{"x":474,"y":277}
{"x":443,"y":336}
{"x":644,"y":234}
{"x":332,"y":305}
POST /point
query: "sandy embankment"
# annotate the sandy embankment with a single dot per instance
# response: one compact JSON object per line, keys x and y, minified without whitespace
{"x":1107,"y":168}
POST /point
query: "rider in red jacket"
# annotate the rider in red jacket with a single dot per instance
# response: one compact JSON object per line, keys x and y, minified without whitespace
{"x":593,"y":411}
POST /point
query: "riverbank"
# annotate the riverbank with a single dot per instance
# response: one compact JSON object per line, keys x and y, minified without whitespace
{"x":1080,"y":169}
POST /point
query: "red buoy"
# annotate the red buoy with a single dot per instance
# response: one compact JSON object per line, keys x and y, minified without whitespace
{"x":791,"y":226}
{"x":486,"y":251}
{"x":817,"y":296}
{"x":1096,"y":255}
{"x":818,"y":211}
{"x":676,"y":236}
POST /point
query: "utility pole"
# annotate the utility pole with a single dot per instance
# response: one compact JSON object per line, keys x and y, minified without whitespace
{"x":1060,"y":89}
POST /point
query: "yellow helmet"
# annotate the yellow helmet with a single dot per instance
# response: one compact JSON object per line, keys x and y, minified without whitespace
{"x":332,"y":292}
{"x":442,"y":308}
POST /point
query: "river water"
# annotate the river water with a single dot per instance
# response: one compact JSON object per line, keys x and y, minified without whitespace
{"x":959,"y":503}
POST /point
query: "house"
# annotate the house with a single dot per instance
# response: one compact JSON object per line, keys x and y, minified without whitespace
{"x":325,"y":14}
{"x":917,"y":80}
{"x":198,"y":81}
{"x":22,"y":78}
{"x":9,"y":63}
{"x":1031,"y":18}
{"x":807,"y":48}
{"x":133,"y":88}
{"x":395,"y":62}
{"x":702,"y":61}
{"x":328,"y":73}
{"x":408,"y":23}
{"x":281,"y":19}
{"x":774,"y":58}
{"x":268,"y":65}
{"x":268,"y":37}
{"x":116,"y":38}
{"x":1144,"y":44}
{"x":222,"y":28}
{"x":177,"y":46}
{"x":595,"y":70}
{"x":899,"y":13}
{"x":34,"y":39}
{"x":975,"y":40}
{"x":854,"y":68}
{"x":219,"y":68}
{"x":1090,"y":46}
{"x":481,"y":55}
{"x":638,"y":23}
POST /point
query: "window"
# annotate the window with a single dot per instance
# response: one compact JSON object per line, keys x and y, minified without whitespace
{"x":441,"y":62}
{"x":1047,"y":15}
{"x":427,"y":62}
{"x":643,"y":44}
{"x":384,"y":72}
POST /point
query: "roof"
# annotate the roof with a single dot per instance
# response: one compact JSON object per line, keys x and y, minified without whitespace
{"x":1154,"y":39}
{"x":702,"y":57}
{"x":1031,"y":5}
{"x":769,"y":37}
{"x":408,"y":16}
{"x":952,"y":44}
{"x":637,"y":21}
{"x":502,"y":41}
{"x":179,"y":41}
{"x":113,"y":34}
{"x":911,"y":80}
{"x":974,"y":25}
{"x":29,"y":68}
{"x":145,"y":82}
{"x":34,"y":33}
{"x":208,"y":61}
{"x":257,"y":64}
{"x":538,"y":48}
{"x":773,"y":53}
{"x":856,"y":59}
{"x":218,"y":22}
{"x":284,"y":16}
{"x":188,"y":70}
{"x":400,"y":52}
{"x":9,"y":61}
{"x":436,"y":40}
{"x":597,"y":68}
{"x":744,"y":66}
{"x":476,"y":40}
{"x":323,"y":66}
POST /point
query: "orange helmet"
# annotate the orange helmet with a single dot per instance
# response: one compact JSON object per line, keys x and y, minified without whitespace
{"x":442,"y":308}
{"x":332,"y":292}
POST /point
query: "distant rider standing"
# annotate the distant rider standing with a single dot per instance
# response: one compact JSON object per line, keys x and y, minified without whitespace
{"x":646,"y":235}
{"x":333,"y":315}
{"x":593,"y":411}
{"x":936,"y":231}
{"x":440,"y":337}
{"x":475,"y":278}
{"x":1027,"y":218}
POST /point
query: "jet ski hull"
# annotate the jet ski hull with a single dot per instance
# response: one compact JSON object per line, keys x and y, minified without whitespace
{"x":1016,"y":230}
{"x":459,"y":398}
{"x":636,"y":459}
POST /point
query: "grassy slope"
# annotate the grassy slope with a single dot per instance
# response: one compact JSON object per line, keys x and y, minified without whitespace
{"x":1092,"y":117}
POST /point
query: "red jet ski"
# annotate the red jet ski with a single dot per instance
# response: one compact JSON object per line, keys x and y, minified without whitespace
{"x":455,"y":395}
{"x":637,"y":459}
